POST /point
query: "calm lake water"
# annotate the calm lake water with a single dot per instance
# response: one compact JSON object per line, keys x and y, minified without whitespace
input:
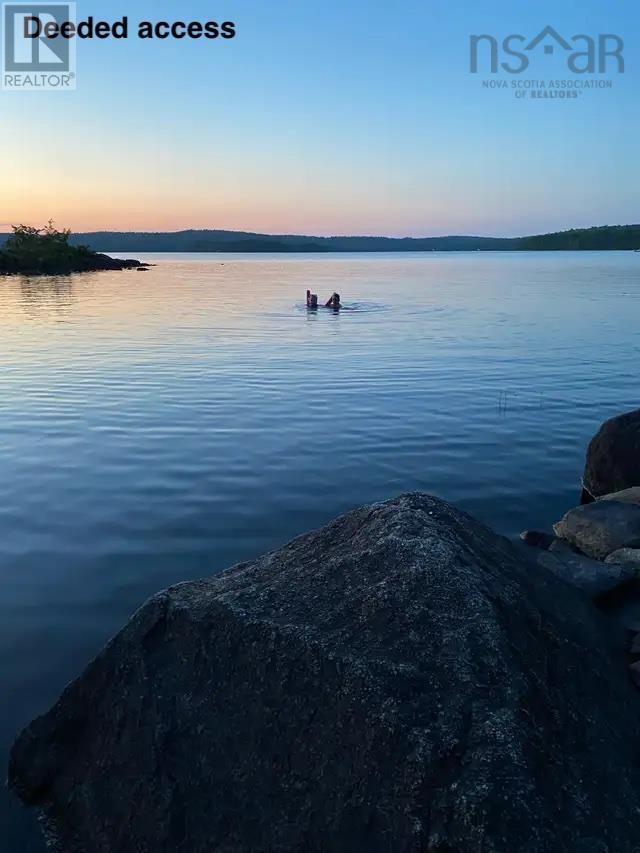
{"x":157,"y":427}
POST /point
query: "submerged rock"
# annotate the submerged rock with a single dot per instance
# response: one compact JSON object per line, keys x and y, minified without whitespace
{"x":599,"y":528}
{"x":401,"y":680}
{"x":613,"y":456}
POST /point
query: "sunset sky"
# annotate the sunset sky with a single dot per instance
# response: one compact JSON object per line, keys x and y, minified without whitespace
{"x":328,"y":117}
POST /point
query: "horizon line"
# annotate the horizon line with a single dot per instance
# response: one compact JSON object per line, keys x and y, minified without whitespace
{"x":9,"y":226}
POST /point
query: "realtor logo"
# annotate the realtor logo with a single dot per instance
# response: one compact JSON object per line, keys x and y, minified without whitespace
{"x":31,"y":61}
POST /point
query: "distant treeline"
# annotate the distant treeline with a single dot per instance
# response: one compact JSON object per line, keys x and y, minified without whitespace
{"x":605,"y":237}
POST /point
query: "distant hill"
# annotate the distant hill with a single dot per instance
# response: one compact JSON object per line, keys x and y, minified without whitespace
{"x":604,"y":237}
{"x":243,"y":241}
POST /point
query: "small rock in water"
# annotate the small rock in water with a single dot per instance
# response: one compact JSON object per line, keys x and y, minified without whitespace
{"x":635,"y":645}
{"x":599,"y":528}
{"x":537,"y":539}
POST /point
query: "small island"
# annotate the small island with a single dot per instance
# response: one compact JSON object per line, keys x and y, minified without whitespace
{"x":47,"y":251}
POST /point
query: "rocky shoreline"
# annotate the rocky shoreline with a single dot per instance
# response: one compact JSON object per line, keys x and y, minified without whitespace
{"x":36,"y":251}
{"x":403,"y":679}
{"x":94,"y":262}
{"x":596,"y":546}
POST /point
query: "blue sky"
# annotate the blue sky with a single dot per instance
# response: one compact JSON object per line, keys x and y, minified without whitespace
{"x":326,"y":117}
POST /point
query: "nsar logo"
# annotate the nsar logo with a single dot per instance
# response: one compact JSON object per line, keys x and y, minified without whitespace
{"x":584,"y":54}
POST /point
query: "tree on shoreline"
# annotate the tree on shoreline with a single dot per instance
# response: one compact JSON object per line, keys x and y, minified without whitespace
{"x":40,"y":250}
{"x":47,"y":251}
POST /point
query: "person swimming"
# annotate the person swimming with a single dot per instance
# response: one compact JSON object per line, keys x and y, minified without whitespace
{"x":332,"y":302}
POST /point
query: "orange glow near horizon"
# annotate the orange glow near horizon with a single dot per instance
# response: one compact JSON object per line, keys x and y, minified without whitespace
{"x":157,"y":212}
{"x":100,"y":176}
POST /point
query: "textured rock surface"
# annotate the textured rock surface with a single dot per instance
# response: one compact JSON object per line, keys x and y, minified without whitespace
{"x":399,"y":681}
{"x":593,"y":577}
{"x":613,"y":456}
{"x":599,"y":528}
{"x":630,"y":556}
{"x":626,"y":496}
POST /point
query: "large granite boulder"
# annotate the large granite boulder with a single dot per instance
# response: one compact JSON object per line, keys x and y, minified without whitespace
{"x":401,"y":680}
{"x":597,"y":529}
{"x":613,"y":457}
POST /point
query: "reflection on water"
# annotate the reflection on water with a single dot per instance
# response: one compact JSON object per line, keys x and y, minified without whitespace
{"x":160,"y":427}
{"x":361,"y":307}
{"x":50,"y":294}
